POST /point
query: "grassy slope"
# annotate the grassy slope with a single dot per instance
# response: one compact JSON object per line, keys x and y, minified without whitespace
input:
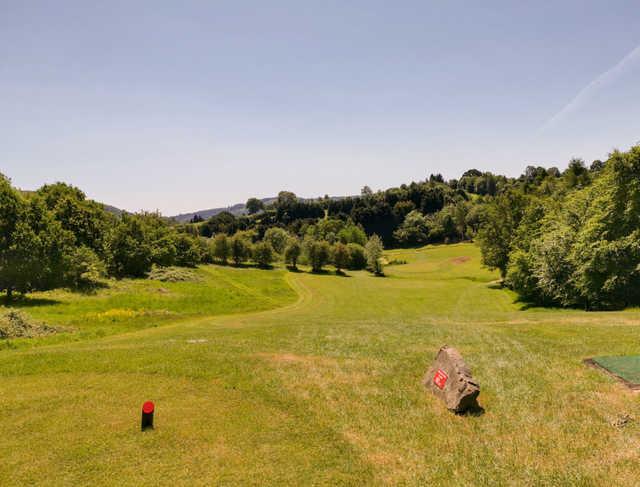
{"x":132,"y":304}
{"x":327,"y":390}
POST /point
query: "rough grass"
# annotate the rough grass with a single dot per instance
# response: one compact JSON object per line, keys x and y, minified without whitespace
{"x":16,"y":324}
{"x":133,"y":304}
{"x":322,"y":390}
{"x":173,"y":274}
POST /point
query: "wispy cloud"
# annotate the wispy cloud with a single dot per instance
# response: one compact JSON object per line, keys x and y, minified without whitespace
{"x":592,"y":88}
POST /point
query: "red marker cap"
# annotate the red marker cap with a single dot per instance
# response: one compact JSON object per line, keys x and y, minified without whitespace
{"x":147,"y":407}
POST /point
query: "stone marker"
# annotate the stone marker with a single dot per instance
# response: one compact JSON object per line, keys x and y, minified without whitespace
{"x":450,"y":379}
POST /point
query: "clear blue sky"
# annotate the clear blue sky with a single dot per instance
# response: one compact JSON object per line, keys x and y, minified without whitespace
{"x":180,"y":106}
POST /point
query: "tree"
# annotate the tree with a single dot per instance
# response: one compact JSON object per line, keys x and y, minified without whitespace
{"x":317,"y":253}
{"x":86,"y":220}
{"x":223,"y":222}
{"x":502,"y":217}
{"x":340,"y":256}
{"x":373,"y":252}
{"x":240,"y":247}
{"x":460,"y":218}
{"x":357,"y":259}
{"x":366,"y":191}
{"x":263,"y":254}
{"x":414,"y":230}
{"x":32,"y":243}
{"x":576,"y":174}
{"x":221,"y":247}
{"x":254,"y":205}
{"x":277,"y":237}
{"x":596,"y":166}
{"x":352,"y":233}
{"x":292,"y":252}
{"x":11,"y":210}
{"x":129,"y":249}
{"x":187,"y":250}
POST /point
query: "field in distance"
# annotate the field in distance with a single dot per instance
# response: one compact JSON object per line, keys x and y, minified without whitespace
{"x":276,"y":378}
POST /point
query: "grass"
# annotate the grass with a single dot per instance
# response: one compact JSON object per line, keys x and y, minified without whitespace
{"x":134,"y":304}
{"x":322,"y":389}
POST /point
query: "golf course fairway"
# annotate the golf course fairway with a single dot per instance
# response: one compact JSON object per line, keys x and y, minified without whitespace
{"x":271,"y":377}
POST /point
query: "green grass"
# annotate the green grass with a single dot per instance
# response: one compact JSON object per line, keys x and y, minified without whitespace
{"x":133,"y":304}
{"x":324,"y":389}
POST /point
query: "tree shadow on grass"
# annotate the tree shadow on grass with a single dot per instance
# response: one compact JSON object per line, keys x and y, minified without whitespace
{"x":326,"y":272}
{"x":90,"y":290}
{"x":27,"y":302}
{"x":342,"y":273}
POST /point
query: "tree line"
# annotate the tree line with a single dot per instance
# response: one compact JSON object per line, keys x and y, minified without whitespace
{"x":573,"y":240}
{"x":56,"y":237}
{"x":561,"y":238}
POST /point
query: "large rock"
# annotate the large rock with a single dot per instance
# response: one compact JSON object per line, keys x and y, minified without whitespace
{"x":450,"y":379}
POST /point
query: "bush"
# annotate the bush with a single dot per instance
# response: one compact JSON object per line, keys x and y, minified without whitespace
{"x":84,"y":269}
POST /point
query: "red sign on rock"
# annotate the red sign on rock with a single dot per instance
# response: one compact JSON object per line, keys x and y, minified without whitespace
{"x":440,"y":378}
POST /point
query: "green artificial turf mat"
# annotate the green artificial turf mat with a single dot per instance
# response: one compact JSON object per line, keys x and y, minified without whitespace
{"x":626,"y":367}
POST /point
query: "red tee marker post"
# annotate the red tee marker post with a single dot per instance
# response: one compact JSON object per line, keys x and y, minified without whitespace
{"x":147,"y":415}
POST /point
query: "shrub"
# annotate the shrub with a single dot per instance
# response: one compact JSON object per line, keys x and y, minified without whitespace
{"x":84,"y":269}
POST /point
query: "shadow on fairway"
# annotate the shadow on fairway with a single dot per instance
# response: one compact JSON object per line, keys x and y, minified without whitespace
{"x":27,"y":302}
{"x":473,"y":412}
{"x":325,"y":272}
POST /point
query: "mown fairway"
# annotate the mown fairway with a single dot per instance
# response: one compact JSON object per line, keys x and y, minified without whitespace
{"x":322,"y":389}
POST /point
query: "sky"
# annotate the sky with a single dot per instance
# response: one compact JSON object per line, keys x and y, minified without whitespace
{"x":181,"y":106}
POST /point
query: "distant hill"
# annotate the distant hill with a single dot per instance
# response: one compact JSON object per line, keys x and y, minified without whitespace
{"x":237,"y":210}
{"x":113,"y":209}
